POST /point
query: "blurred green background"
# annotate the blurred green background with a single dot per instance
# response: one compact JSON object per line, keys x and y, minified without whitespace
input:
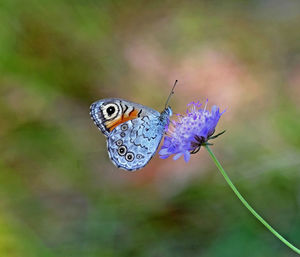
{"x":59,"y":193}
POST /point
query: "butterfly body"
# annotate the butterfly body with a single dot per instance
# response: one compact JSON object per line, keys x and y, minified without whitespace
{"x":133,"y":131}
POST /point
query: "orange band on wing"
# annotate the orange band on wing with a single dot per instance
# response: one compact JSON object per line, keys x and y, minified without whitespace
{"x":113,"y":124}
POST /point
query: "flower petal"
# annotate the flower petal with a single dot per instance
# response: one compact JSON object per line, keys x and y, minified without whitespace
{"x":187,"y":156}
{"x":164,"y":151}
{"x":164,"y":156}
{"x":177,"y":156}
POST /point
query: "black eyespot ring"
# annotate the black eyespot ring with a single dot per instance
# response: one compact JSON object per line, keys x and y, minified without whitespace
{"x":124,"y":127}
{"x":110,"y":110}
{"x":122,"y":150}
{"x":119,"y":142}
{"x":129,"y":157}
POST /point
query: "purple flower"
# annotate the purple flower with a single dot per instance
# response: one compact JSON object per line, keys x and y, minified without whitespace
{"x":190,"y":131}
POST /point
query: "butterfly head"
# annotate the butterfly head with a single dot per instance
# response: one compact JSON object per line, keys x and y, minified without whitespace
{"x":166,"y":114}
{"x":168,"y":111}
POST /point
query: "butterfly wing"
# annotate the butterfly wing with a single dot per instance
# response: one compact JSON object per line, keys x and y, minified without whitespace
{"x":132,"y":144}
{"x":109,"y":113}
{"x":133,"y":131}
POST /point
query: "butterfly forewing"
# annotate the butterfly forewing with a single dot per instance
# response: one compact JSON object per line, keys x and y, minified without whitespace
{"x":109,"y":113}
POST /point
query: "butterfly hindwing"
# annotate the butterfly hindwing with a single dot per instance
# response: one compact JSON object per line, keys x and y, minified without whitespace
{"x":132,"y":144}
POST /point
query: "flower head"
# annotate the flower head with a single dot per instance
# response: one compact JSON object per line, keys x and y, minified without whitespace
{"x":190,"y":131}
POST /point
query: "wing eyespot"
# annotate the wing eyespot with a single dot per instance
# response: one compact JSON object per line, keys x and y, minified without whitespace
{"x":122,"y":150}
{"x":124,"y":127}
{"x":119,"y":142}
{"x":129,"y":156}
{"x":139,"y":156}
{"x":110,"y":111}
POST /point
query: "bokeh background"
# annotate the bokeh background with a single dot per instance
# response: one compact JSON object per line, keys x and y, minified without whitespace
{"x":59,"y":193}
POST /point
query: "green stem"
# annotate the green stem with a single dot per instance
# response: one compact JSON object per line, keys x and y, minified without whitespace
{"x":242,"y":199}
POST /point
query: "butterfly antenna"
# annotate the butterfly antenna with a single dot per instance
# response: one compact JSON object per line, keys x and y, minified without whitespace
{"x":171,"y":93}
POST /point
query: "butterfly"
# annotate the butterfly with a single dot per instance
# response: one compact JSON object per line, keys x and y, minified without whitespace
{"x":133,"y":131}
